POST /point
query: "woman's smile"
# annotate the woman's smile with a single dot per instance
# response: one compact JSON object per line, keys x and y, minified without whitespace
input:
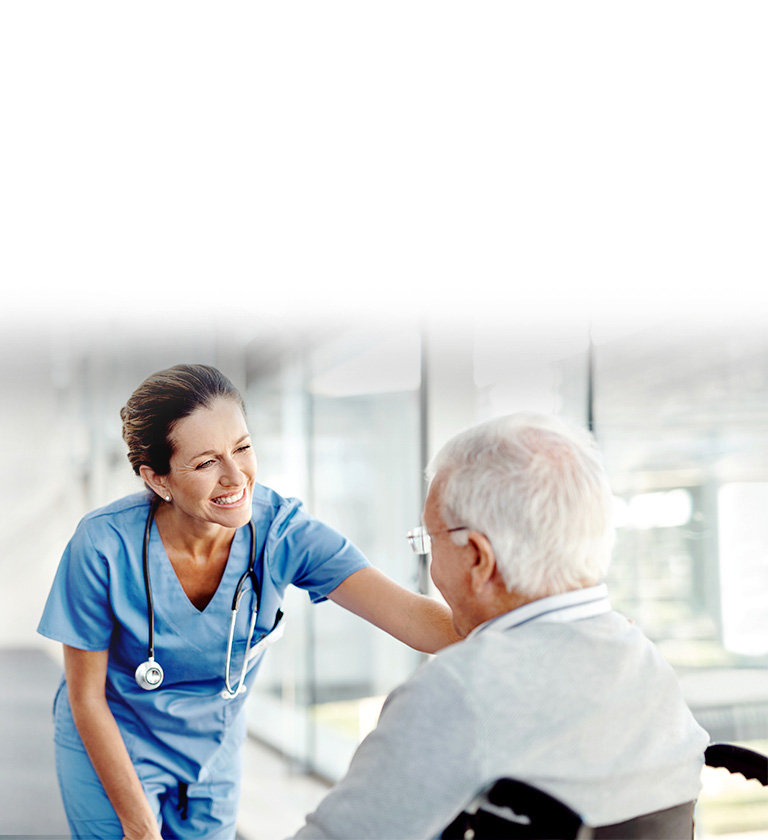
{"x":232,"y":500}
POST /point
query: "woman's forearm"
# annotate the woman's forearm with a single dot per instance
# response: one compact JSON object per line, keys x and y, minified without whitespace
{"x":431,"y":625}
{"x":86,"y":673}
{"x":420,"y":622}
{"x":109,"y":756}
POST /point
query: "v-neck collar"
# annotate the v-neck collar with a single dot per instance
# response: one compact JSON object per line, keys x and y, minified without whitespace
{"x":172,"y":585}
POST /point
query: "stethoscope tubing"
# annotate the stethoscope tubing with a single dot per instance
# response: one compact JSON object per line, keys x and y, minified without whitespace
{"x":228,"y":690}
{"x":152,"y":666}
{"x":147,"y":583}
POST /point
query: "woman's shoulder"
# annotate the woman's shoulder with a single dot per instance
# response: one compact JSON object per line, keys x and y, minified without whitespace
{"x":121,"y":513}
{"x":268,"y":503}
{"x":134,"y":501}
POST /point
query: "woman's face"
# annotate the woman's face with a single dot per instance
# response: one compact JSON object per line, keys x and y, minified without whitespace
{"x":213,"y":467}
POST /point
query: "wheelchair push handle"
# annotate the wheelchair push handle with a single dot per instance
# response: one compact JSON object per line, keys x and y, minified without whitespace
{"x":751,"y":764}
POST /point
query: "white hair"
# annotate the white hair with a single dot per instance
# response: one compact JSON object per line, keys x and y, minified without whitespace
{"x":536,"y":487}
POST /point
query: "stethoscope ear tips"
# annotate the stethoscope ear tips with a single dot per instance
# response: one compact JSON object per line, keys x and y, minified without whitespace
{"x":149,"y":674}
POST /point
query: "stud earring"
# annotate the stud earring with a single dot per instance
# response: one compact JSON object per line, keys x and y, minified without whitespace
{"x":167,"y":498}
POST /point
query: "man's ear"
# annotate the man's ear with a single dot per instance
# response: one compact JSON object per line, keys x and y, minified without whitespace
{"x":484,"y":566}
{"x":155,"y":481}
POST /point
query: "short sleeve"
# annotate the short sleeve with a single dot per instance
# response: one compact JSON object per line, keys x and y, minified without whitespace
{"x":311,"y":555}
{"x":78,"y":611}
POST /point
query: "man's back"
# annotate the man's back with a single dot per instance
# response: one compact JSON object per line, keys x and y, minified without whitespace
{"x":583,"y":707}
{"x":587,"y":710}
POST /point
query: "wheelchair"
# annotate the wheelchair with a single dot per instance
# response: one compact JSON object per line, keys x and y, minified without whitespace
{"x":514,"y":810}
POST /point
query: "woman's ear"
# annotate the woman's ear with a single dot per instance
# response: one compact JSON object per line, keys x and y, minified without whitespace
{"x":484,"y":566}
{"x":155,"y":481}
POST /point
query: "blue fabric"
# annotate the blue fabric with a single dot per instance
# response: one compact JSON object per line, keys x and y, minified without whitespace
{"x":210,"y":808}
{"x":98,"y":602}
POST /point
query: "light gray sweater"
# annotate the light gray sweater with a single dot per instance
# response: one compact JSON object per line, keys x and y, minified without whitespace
{"x":562,"y":693}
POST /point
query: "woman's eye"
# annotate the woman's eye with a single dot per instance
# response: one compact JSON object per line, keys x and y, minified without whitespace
{"x":244,"y":448}
{"x":203,"y":465}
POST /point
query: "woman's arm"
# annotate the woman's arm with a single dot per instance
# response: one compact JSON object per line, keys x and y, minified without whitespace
{"x":421,"y":622}
{"x":86,"y":678}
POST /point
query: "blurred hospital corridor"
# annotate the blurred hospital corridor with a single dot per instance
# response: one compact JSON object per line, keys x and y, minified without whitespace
{"x":345,"y":418}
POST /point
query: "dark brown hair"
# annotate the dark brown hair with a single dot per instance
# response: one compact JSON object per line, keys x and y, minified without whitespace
{"x":160,"y":402}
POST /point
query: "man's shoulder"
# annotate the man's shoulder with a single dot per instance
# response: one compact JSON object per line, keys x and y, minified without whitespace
{"x":456,"y":685}
{"x":465,"y":665}
{"x":444,"y":671}
{"x":440,"y":692}
{"x":558,"y":647}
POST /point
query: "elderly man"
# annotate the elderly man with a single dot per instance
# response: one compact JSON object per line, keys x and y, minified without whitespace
{"x":549,"y":685}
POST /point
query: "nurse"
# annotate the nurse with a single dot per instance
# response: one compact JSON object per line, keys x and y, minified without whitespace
{"x":145,"y":761}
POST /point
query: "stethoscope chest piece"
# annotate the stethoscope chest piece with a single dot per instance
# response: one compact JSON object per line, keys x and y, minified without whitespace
{"x":149,"y":674}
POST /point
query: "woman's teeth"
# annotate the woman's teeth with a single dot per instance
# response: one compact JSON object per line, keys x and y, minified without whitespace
{"x":229,"y":500}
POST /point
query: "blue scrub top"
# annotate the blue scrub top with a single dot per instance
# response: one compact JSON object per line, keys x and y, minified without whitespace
{"x":98,"y":601}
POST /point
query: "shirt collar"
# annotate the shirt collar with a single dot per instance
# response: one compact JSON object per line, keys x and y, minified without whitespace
{"x":568,"y":606}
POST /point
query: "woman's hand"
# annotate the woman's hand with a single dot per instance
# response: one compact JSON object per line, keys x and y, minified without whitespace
{"x":148,"y":831}
{"x":150,"y":834}
{"x":421,"y":622}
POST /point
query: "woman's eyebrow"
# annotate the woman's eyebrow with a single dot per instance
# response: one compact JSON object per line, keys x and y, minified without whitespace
{"x":212,"y":452}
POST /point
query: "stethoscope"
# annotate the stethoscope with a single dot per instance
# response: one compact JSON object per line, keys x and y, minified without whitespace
{"x":149,"y":675}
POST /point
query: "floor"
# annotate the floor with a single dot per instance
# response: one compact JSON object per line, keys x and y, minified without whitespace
{"x":30,"y":805}
{"x":276,"y":797}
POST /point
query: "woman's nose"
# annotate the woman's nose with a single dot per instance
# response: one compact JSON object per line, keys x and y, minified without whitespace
{"x":231,"y":472}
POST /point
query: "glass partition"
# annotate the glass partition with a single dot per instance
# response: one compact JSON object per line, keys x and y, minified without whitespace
{"x":682,"y":419}
{"x":337,"y":425}
{"x":683,"y":422}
